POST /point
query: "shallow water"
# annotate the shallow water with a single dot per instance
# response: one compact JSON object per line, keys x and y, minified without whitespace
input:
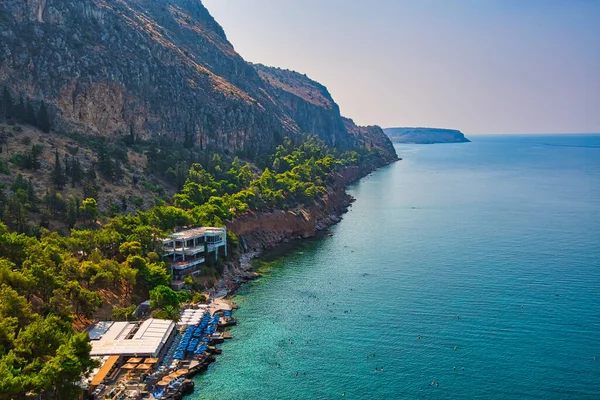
{"x":490,"y":251}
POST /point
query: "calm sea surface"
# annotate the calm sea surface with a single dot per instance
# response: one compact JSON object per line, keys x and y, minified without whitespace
{"x":490,"y":251}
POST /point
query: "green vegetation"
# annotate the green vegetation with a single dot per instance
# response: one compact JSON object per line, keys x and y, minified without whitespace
{"x":166,"y":302}
{"x":52,"y":284}
{"x":23,"y":110}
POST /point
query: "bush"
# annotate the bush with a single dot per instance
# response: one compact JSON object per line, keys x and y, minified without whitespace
{"x":138,"y":202}
{"x":199,"y":298}
{"x":4,"y":168}
{"x":123,"y":314}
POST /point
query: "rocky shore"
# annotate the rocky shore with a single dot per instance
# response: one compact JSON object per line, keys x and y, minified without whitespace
{"x":258,"y":232}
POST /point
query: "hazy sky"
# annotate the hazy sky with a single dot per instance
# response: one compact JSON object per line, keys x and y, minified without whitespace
{"x":481,"y":66}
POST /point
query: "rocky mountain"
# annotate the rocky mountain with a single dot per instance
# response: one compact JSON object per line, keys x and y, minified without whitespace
{"x":373,"y":137}
{"x":425,"y":135}
{"x":159,"y":69}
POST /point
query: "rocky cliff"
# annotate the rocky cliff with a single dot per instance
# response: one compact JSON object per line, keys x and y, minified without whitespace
{"x":373,"y":137}
{"x":425,"y":135}
{"x":259,"y":231}
{"x":155,"y":68}
{"x":308,"y":103}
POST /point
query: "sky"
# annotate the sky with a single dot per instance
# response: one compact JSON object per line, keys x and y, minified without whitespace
{"x":481,"y":66}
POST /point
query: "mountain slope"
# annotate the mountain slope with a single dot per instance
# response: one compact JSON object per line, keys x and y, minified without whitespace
{"x":150,"y":68}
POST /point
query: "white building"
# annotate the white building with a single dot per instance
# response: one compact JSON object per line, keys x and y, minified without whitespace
{"x":150,"y":338}
{"x":188,"y":249}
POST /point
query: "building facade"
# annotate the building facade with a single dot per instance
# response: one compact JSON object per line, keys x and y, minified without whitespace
{"x":187,"y":250}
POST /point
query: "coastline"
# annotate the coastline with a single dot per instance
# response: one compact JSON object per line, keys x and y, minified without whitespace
{"x":269,"y":232}
{"x":260,"y":233}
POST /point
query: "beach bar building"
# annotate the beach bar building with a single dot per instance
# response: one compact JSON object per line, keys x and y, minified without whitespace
{"x":150,"y":338}
{"x":187,"y":250}
{"x":122,"y":345}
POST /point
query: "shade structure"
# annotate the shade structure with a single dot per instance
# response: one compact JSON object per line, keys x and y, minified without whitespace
{"x":134,"y":360}
{"x":151,"y":361}
{"x":129,"y":366}
{"x":162,"y":383}
{"x":144,"y":366}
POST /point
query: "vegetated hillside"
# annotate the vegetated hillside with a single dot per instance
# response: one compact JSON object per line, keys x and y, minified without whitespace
{"x":136,"y":91}
{"x":425,"y":135}
{"x":119,"y":121}
{"x":29,"y":152}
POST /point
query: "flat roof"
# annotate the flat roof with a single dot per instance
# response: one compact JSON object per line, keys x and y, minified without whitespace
{"x":100,"y":329}
{"x":194,"y":232}
{"x":148,"y":340}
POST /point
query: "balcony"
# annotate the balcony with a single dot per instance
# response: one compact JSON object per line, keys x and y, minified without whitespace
{"x":183,"y":265}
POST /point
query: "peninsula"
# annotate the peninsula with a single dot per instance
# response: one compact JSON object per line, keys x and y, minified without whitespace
{"x":425,"y":135}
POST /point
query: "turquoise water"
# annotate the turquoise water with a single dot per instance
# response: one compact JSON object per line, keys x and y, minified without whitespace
{"x":503,"y":232}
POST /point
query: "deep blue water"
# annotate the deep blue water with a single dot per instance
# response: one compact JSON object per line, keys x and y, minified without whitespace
{"x":503,"y":232}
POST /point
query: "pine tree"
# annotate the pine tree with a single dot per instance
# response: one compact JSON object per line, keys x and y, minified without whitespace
{"x":68,"y":166}
{"x":76,"y":171}
{"x":3,"y":139}
{"x":181,"y":174}
{"x":89,"y":209}
{"x":30,"y":114}
{"x":130,"y":139}
{"x":105,"y":164}
{"x":33,"y":199}
{"x":118,"y":173}
{"x":7,"y":104}
{"x":44,"y":118}
{"x":58,"y":176}
{"x":72,"y":211}
{"x":19,"y":110}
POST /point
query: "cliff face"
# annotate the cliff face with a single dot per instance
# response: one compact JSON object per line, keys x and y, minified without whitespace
{"x":259,"y":231}
{"x":425,"y":135}
{"x":154,"y":68}
{"x":373,"y":137}
{"x":308,"y":103}
{"x":314,"y":110}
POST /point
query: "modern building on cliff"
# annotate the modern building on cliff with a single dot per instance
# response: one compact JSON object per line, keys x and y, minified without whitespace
{"x":187,"y":250}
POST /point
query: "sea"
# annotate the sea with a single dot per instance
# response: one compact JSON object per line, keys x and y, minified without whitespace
{"x":463,"y":271}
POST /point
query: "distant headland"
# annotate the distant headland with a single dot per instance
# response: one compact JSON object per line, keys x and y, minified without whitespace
{"x":425,"y":135}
